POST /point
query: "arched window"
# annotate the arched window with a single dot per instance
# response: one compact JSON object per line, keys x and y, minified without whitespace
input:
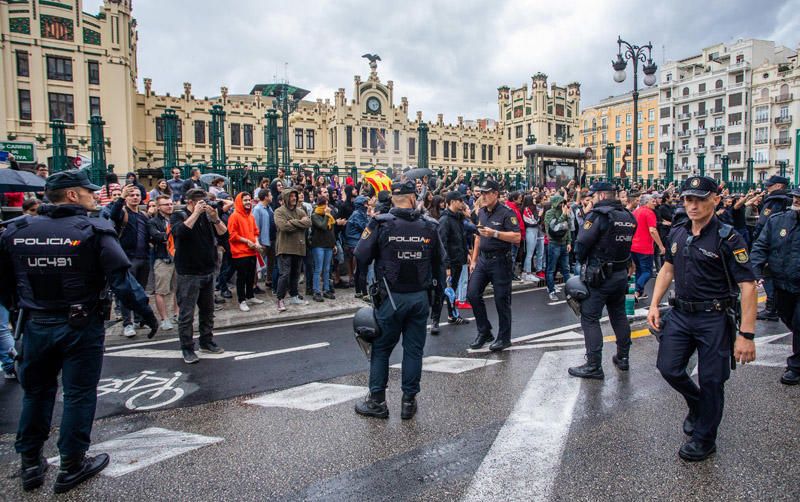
{"x":785,"y":90}
{"x":685,"y":91}
{"x":764,"y":93}
{"x":718,"y":84}
{"x":594,"y":123}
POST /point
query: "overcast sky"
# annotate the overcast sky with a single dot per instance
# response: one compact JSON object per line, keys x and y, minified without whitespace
{"x":446,"y":56}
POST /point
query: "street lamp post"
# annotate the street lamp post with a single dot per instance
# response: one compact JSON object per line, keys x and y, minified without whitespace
{"x":635,"y":54}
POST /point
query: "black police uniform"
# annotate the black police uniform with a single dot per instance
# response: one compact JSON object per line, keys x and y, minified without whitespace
{"x":494,"y":266}
{"x":774,"y":203}
{"x":61,"y":263}
{"x":408,"y":254}
{"x":603,"y":248}
{"x":777,"y":251}
{"x":698,"y":319}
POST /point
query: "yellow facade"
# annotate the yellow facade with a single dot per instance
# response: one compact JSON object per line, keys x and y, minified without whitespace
{"x":611,"y":122}
{"x":61,"y":62}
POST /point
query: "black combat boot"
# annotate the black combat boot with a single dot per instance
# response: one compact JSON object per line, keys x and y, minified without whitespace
{"x":408,"y":407}
{"x":770,"y":313}
{"x":373,"y":406}
{"x":75,"y":469}
{"x":695,"y":451}
{"x":790,"y":377}
{"x":621,"y":360}
{"x":34,"y":466}
{"x":592,"y":369}
{"x":481,"y":340}
{"x":435,"y":327}
{"x":689,"y":421}
{"x":499,"y":345}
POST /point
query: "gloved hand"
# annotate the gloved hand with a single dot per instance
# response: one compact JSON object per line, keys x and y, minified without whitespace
{"x":151,"y":322}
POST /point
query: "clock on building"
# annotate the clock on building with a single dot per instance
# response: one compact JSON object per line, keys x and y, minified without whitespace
{"x":373,"y":105}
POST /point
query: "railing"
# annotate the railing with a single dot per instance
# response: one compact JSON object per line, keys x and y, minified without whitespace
{"x":684,"y":151}
{"x":783,"y":120}
{"x":762,"y":141}
{"x":700,"y":132}
{"x":700,"y":149}
{"x":783,"y":98}
{"x":761,"y":120}
{"x":701,"y":113}
{"x":718,"y":111}
{"x":717,"y":148}
{"x":717,"y":129}
{"x":782,"y":142}
{"x":684,"y":134}
{"x":684,"y":116}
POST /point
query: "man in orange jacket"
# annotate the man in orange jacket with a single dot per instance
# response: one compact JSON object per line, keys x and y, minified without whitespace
{"x":243,"y":234}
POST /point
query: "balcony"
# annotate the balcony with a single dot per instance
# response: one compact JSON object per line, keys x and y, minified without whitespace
{"x":762,"y":120}
{"x":783,"y":120}
{"x":741,"y":65}
{"x":684,"y":150}
{"x":684,"y":134}
{"x":683,"y":168}
{"x":736,"y":85}
{"x":701,"y":113}
{"x":782,"y":142}
{"x":700,"y":150}
{"x":718,"y":111}
{"x":700,"y":132}
{"x":717,"y":129}
{"x":783,"y":98}
{"x":762,"y":141}
{"x":717,"y":148}
{"x":684,"y":116}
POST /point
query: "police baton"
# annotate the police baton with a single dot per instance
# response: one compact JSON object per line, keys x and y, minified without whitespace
{"x":18,"y":324}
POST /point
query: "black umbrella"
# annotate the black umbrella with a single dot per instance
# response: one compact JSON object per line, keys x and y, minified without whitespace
{"x":419,"y":172}
{"x":20,"y":181}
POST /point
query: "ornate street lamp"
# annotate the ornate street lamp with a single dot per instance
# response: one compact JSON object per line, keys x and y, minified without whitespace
{"x":635,"y":53}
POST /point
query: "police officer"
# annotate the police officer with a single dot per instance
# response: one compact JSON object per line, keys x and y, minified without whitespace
{"x":707,"y":259}
{"x":778,"y":250}
{"x":603,"y":249}
{"x":498,"y":231}
{"x":407,"y":253}
{"x":60,"y":263}
{"x":776,"y":201}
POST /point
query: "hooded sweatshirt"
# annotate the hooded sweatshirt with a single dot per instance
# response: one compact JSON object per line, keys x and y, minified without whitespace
{"x":357,"y":222}
{"x":291,"y":238}
{"x":555,"y":220}
{"x":242,"y":224}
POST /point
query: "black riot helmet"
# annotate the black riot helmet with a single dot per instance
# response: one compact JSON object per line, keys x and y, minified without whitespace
{"x":365,"y":329}
{"x":576,"y":291}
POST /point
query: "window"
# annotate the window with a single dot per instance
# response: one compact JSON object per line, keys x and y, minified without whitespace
{"x":199,"y":132}
{"x":396,"y":138}
{"x":483,"y":153}
{"x":298,"y":139}
{"x":739,"y":78}
{"x":640,"y":116}
{"x":363,"y":138}
{"x":627,"y":119}
{"x":617,"y":136}
{"x":94,"y":106}
{"x":651,"y":114}
{"x":466,"y":151}
{"x":718,"y":105}
{"x":559,"y":110}
{"x":761,"y":156}
{"x":518,"y":132}
{"x":628,"y":134}
{"x":651,"y":131}
{"x":59,"y":68}
{"x":236,"y":134}
{"x":650,"y":164}
{"x":509,"y":133}
{"x":519,"y":152}
{"x":433,"y":148}
{"x":61,"y":107}
{"x":491,"y":152}
{"x":685,"y":91}
{"x":784,"y":113}
{"x":446,"y":149}
{"x":762,"y":135}
{"x":735,"y":118}
{"x":718,"y":84}
{"x":735,"y":99}
{"x":23,"y":67}
{"x":701,"y":87}
{"x":280,"y":137}
{"x":639,"y":149}
{"x":664,"y":114}
{"x":159,"y":129}
{"x":665,"y":130}
{"x":453,"y":149}
{"x":248,"y":135}
{"x":509,"y":153}
{"x":412,"y":147}
{"x":617,"y":120}
{"x":617,"y":152}
{"x":651,"y":147}
{"x":309,"y":139}
{"x":348,"y":133}
{"x":735,"y":138}
{"x":94,"y":73}
{"x":24,"y":104}
{"x":382,"y":140}
{"x":604,"y":122}
{"x":472,"y":151}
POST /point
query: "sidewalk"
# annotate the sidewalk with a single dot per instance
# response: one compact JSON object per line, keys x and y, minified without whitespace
{"x":231,"y":317}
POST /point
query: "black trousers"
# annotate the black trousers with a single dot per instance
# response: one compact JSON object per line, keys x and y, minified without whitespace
{"x":610,"y":294}
{"x":495,"y":270}
{"x":245,"y":277}
{"x":438,"y":296}
{"x":289,"y":269}
{"x":788,"y":305}
{"x":709,"y":334}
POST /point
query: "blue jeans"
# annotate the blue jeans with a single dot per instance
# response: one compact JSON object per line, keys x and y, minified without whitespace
{"x":322,"y":266}
{"x":534,"y":244}
{"x":410,"y":319}
{"x":644,"y":270}
{"x":557,"y":258}
{"x":51,"y":346}
{"x":6,"y":341}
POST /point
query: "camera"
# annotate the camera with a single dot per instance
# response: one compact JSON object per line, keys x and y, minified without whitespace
{"x":213,"y":203}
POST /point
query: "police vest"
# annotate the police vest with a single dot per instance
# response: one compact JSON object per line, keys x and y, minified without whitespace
{"x":406,"y":251}
{"x":614,"y":246}
{"x":55,"y":261}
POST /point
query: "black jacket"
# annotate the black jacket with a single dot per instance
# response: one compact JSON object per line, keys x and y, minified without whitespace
{"x":157,"y":228}
{"x":451,"y":233}
{"x":776,"y":253}
{"x":132,"y":230}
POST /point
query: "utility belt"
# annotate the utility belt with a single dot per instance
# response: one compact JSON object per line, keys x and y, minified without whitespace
{"x":595,"y":275}
{"x":77,"y":316}
{"x":715,"y":305}
{"x":491,"y":255}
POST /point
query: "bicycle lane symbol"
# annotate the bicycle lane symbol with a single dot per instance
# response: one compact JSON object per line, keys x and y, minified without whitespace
{"x":147,"y":390}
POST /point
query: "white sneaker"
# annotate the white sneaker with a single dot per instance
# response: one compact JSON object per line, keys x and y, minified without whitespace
{"x":255,"y":301}
{"x":297,"y":301}
{"x":129,"y":331}
{"x":166,"y":325}
{"x":553,"y":297}
{"x":244,"y":307}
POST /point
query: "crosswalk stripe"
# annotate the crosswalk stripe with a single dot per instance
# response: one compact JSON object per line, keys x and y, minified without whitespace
{"x":171,"y":354}
{"x":310,"y":397}
{"x":452,"y":364}
{"x":281,"y":351}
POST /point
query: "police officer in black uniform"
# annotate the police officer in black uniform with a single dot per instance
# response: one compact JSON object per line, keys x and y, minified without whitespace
{"x":778,"y":251}
{"x":707,"y":259}
{"x":56,"y":268}
{"x":408,"y":254}
{"x":776,"y":201}
{"x":603,"y":248}
{"x":498,"y":231}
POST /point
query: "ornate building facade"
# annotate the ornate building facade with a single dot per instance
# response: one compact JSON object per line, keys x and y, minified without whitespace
{"x":61,"y":62}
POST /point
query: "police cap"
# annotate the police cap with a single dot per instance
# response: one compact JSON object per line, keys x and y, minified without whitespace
{"x":404,"y":188}
{"x":69,"y":179}
{"x":700,"y":186}
{"x":489,"y":186}
{"x":454,"y":195}
{"x":795,"y":192}
{"x":775,"y":179}
{"x":601,"y":186}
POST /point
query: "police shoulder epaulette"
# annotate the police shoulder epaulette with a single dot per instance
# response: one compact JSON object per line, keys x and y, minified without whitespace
{"x":430,"y":219}
{"x":725,"y":231}
{"x":602,"y":209}
{"x":385,"y":217}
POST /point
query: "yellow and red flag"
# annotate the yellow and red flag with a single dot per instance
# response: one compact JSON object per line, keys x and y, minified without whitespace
{"x":378,"y":180}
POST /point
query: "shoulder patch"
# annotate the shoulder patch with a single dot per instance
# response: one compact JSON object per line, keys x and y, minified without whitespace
{"x":674,"y":248}
{"x":767,"y":211}
{"x":587,"y":225}
{"x":514,"y":220}
{"x":783,"y":232}
{"x":741,"y":255}
{"x":366,"y":233}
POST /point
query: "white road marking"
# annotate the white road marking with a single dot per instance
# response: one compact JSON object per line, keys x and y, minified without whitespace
{"x":310,"y":397}
{"x":557,"y":303}
{"x":567,"y":335}
{"x":146,"y":447}
{"x":525,"y":456}
{"x":531,"y":346}
{"x":452,"y":364}
{"x":766,"y":353}
{"x":282,"y":351}
{"x":171,"y":354}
